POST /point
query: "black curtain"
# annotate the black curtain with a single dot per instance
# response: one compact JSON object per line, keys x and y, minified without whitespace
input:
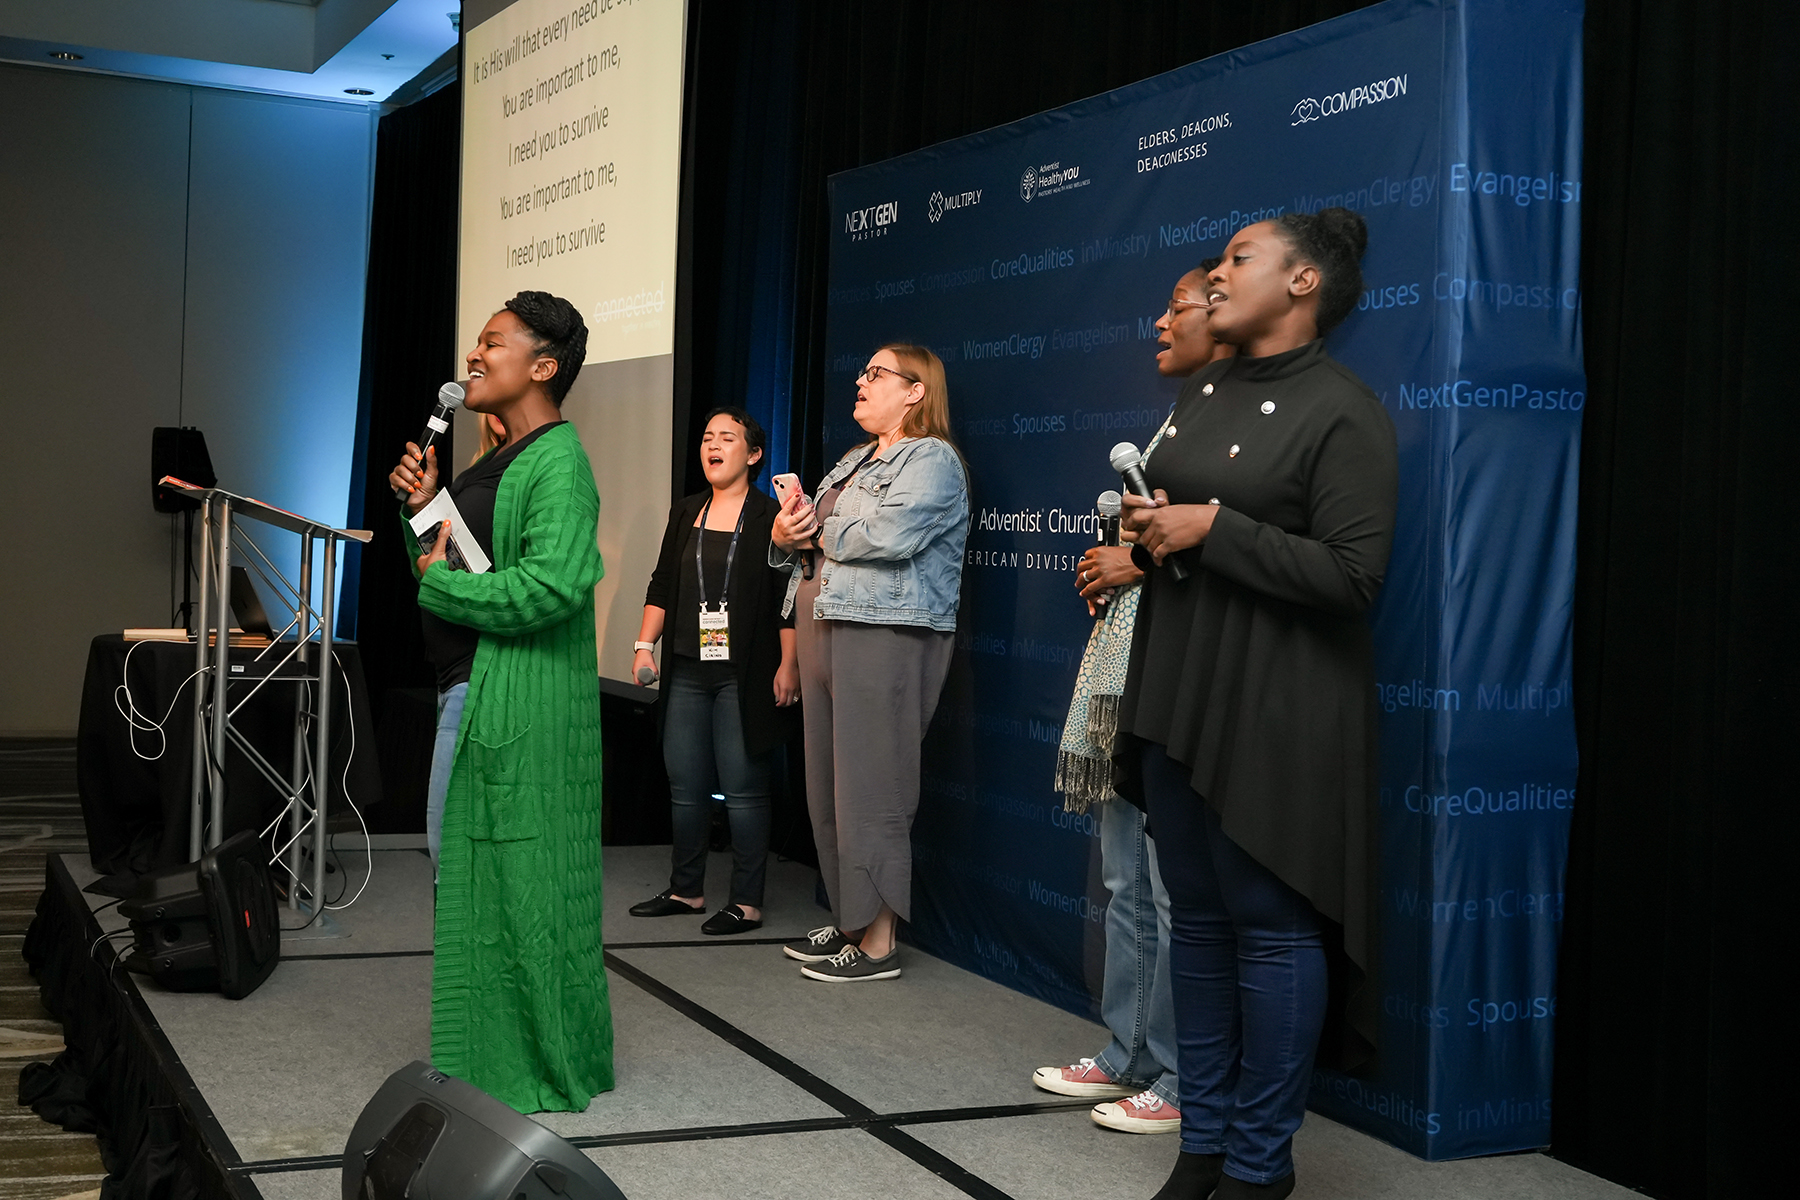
{"x":409,"y":328}
{"x":1672,"y":1038}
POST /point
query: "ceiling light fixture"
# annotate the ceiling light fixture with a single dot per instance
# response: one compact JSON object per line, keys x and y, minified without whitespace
{"x":66,"y":55}
{"x":358,"y":92}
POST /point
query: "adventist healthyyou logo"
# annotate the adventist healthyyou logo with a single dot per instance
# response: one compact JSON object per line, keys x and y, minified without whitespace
{"x":939,"y":204}
{"x":872,"y":222}
{"x":1047,"y":179}
{"x":1309,"y":109}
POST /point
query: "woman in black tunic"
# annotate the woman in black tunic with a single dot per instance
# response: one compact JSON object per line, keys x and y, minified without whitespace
{"x":1250,"y":700}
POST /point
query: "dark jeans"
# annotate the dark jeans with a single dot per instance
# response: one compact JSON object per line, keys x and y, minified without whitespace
{"x":703,"y":749}
{"x":1249,"y":984}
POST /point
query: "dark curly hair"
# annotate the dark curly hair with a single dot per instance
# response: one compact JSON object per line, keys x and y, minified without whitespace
{"x":560,"y":332}
{"x":754,"y":437}
{"x":1333,"y":240}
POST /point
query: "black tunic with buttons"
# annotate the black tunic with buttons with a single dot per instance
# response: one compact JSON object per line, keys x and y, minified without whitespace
{"x":1257,"y":671}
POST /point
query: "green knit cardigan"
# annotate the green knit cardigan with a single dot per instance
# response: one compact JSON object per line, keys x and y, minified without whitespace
{"x":519,"y":1002}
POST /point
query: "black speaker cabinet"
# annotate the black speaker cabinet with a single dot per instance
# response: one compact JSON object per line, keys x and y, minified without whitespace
{"x":179,"y":451}
{"x":427,"y":1136}
{"x":208,"y":927}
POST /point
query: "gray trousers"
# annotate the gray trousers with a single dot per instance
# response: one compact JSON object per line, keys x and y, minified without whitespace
{"x":869,"y":692}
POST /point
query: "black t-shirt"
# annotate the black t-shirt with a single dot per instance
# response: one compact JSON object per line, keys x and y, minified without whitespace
{"x":449,"y":647}
{"x":684,"y":638}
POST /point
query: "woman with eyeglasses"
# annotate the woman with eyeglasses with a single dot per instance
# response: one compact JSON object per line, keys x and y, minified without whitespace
{"x":874,"y":619}
{"x":729,"y":673}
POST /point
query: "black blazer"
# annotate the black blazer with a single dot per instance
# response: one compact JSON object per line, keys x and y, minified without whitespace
{"x":756,"y":589}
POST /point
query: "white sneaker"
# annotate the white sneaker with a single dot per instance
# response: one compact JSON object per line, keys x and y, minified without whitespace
{"x":1142,"y":1113}
{"x":1083,"y":1079}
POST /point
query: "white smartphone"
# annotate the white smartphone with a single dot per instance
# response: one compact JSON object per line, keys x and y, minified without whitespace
{"x":787,"y":484}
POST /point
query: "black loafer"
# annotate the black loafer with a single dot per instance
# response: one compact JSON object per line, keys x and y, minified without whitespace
{"x":664,"y":905}
{"x":730,"y":919}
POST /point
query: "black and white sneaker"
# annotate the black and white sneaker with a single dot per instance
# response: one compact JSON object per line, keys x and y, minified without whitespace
{"x":818,"y":945}
{"x":851,"y":965}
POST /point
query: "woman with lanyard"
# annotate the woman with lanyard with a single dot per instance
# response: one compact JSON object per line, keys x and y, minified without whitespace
{"x":875,"y":623}
{"x":730,"y":675}
{"x":1248,"y":723}
{"x":1134,"y":1076}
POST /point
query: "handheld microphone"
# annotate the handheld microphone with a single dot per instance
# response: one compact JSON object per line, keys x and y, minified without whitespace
{"x":646,"y":675}
{"x":1128,"y":461}
{"x":1109,"y":505}
{"x":449,"y":399}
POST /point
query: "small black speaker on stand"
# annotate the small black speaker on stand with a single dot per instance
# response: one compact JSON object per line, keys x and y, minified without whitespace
{"x":181,"y":451}
{"x":211,"y":926}
{"x":428,"y":1136}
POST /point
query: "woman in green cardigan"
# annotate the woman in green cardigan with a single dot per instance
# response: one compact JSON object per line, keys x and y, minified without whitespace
{"x":518,"y":994}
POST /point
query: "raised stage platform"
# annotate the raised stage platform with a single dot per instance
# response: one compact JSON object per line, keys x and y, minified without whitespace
{"x":736,"y":1076}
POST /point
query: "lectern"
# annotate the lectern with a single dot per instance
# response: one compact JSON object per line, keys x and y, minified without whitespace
{"x":303,"y":662}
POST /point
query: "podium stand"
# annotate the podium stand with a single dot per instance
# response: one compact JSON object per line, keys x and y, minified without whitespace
{"x":304,"y":662}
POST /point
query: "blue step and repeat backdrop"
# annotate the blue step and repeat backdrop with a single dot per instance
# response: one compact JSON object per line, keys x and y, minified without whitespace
{"x":1035,"y":258}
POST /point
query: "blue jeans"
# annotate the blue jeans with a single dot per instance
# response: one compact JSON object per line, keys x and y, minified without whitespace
{"x":443,"y":750}
{"x":1135,"y":1000}
{"x":704,"y":751}
{"x":1249,"y":984}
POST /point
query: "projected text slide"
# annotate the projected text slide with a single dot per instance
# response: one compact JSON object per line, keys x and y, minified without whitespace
{"x":571,"y":166}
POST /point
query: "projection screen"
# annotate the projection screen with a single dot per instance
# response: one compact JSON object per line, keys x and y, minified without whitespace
{"x":571,"y":162}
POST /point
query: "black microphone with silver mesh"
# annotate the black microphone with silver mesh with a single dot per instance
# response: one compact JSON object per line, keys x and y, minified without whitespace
{"x":1128,"y":461}
{"x":449,"y":399}
{"x":1109,"y":505}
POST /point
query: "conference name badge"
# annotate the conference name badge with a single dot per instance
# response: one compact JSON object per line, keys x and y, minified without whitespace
{"x":715,"y":635}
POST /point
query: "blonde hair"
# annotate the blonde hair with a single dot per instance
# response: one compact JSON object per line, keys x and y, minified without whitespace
{"x":489,"y":440}
{"x":930,"y":417}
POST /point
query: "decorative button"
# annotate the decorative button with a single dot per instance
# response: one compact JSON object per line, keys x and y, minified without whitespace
{"x":1171,"y":432}
{"x":1207,"y":390}
{"x":1214,"y":500}
{"x":1268,"y":406}
{"x":1234,"y":452}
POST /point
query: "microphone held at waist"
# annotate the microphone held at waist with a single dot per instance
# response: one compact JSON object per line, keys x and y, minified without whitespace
{"x":1109,"y":505}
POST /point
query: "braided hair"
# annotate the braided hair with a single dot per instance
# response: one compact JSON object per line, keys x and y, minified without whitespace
{"x":1333,"y":240}
{"x":560,"y":332}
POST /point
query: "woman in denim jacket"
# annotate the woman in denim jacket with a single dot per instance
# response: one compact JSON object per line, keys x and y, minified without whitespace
{"x":874,"y":621}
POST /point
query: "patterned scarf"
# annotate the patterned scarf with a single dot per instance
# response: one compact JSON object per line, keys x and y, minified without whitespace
{"x":1084,"y":760}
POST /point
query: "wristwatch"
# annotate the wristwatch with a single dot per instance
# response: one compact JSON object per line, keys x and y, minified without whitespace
{"x":636,"y":646}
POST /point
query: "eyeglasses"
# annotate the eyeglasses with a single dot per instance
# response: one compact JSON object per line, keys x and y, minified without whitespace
{"x":872,"y":372}
{"x":1173,"y":304}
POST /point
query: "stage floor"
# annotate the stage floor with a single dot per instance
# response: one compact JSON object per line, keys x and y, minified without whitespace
{"x":736,"y":1076}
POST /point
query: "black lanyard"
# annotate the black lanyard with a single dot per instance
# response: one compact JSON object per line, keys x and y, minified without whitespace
{"x":730,"y":554}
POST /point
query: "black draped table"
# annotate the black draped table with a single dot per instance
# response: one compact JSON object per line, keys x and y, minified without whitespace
{"x":136,"y":785}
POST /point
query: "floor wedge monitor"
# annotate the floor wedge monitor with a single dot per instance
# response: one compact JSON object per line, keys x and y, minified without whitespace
{"x":211,"y":926}
{"x":427,"y":1136}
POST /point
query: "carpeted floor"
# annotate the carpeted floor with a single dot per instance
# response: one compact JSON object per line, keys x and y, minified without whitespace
{"x":736,"y":1077}
{"x":39,"y":815}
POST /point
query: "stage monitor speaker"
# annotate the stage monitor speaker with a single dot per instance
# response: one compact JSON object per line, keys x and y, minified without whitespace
{"x":179,"y":451}
{"x":208,"y":927}
{"x":426,"y":1136}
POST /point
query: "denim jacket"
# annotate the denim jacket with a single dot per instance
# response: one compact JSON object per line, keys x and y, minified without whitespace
{"x":893,"y":544}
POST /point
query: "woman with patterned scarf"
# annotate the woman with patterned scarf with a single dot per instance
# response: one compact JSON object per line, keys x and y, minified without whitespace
{"x":1134,"y":1076}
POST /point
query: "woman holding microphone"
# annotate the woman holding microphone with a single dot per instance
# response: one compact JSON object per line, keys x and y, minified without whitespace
{"x":874,"y":624}
{"x":729,"y":672}
{"x":519,"y":1003}
{"x":1248,"y":714}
